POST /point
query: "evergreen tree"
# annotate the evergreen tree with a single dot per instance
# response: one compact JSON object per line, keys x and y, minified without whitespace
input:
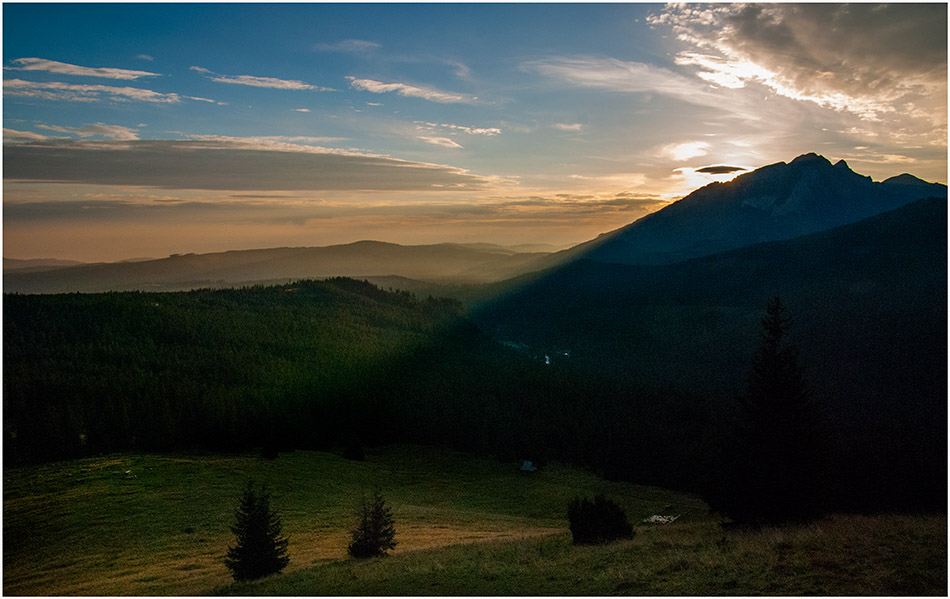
{"x":775,"y":459}
{"x":375,"y":532}
{"x":260,"y":549}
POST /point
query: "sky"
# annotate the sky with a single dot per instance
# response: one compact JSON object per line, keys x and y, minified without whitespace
{"x":141,"y":130}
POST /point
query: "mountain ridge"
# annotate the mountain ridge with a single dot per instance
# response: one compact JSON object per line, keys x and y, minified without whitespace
{"x":446,"y":262}
{"x":774,"y":202}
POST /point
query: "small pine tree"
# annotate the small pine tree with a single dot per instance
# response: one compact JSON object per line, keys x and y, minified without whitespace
{"x":375,"y":532}
{"x":598,"y":521}
{"x":260,"y":548}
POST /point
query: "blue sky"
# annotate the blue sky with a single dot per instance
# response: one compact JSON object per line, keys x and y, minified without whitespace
{"x":146,"y":129}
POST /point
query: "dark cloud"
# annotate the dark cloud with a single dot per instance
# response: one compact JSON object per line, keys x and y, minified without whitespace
{"x":885,"y":64}
{"x":719,"y":170}
{"x":851,"y":45}
{"x":172,"y":164}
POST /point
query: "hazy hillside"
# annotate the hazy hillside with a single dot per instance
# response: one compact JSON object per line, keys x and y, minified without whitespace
{"x":37,"y":264}
{"x":444,"y":263}
{"x":772,"y":203}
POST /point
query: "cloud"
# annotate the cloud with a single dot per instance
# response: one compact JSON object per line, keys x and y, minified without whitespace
{"x":684,"y":151}
{"x":623,"y":76}
{"x":719,"y":170}
{"x":874,"y":61}
{"x":568,"y":126}
{"x":117,"y":132}
{"x":353,"y":46}
{"x":144,"y":57}
{"x":55,"y":90}
{"x":301,"y":110}
{"x":287,"y":143}
{"x":254,"y":81}
{"x":14,"y":135}
{"x":62,"y":68}
{"x":410,"y":91}
{"x":225,"y":164}
{"x":271,"y":82}
{"x":445,"y":142}
{"x":462,"y":128}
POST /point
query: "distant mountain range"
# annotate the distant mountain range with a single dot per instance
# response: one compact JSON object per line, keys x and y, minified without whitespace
{"x":775,"y":202}
{"x":389,"y":263}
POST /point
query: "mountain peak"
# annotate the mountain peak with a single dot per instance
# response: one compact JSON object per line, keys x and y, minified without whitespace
{"x":772,"y":203}
{"x":810,"y":157}
{"x":905,"y":179}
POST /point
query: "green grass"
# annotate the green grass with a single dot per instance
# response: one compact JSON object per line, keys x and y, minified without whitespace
{"x":465,"y":526}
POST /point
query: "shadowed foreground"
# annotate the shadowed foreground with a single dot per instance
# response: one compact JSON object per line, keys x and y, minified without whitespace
{"x":133,"y":524}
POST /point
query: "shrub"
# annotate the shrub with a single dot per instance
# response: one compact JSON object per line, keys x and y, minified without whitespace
{"x":375,"y":532}
{"x":260,"y":549}
{"x":598,"y":521}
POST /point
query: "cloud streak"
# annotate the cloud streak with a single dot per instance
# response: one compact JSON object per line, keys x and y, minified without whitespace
{"x":117,"y":132}
{"x":62,"y":68}
{"x":255,"y":81}
{"x":351,"y":46}
{"x":225,"y":164}
{"x":411,"y":91}
{"x":72,"y":92}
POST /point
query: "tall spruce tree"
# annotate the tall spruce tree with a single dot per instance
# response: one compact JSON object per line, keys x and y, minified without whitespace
{"x":260,"y":548}
{"x":775,"y":459}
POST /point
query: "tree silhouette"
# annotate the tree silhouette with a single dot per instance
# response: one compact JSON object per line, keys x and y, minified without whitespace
{"x":260,"y":549}
{"x":375,"y":532}
{"x":775,"y":458}
{"x":598,"y":521}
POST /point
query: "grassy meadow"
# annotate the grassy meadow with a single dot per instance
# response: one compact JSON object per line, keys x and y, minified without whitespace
{"x":158,"y":524}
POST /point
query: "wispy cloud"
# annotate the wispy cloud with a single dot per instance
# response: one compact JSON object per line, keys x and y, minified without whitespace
{"x":353,"y":46}
{"x":288,"y":143}
{"x":62,"y":68}
{"x":411,"y":91}
{"x":255,"y":81}
{"x":301,"y":110}
{"x":568,"y":126}
{"x":462,"y":128}
{"x":117,"y":132}
{"x":218,"y":163}
{"x":684,"y":151}
{"x":14,"y":135}
{"x":55,"y":90}
{"x":445,"y":142}
{"x":144,"y":57}
{"x":623,"y":76}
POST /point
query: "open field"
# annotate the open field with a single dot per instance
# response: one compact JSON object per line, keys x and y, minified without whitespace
{"x":147,"y":524}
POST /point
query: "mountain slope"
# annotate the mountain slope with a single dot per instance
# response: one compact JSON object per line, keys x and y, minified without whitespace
{"x":443,"y":262}
{"x":869,"y":302}
{"x":772,"y":203}
{"x":869,"y":307}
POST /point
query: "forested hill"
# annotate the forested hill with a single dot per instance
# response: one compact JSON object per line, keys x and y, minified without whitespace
{"x":336,"y":364}
{"x":85,"y":373}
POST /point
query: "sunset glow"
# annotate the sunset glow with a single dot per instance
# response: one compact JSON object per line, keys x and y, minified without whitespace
{"x":136,"y":130}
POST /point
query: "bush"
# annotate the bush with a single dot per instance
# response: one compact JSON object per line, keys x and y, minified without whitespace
{"x":260,"y":549}
{"x":375,"y":533}
{"x":598,"y":521}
